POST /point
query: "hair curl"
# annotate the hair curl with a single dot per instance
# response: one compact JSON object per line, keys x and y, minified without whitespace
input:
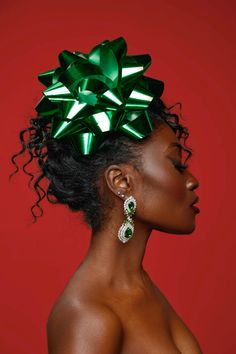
{"x":73,"y":177}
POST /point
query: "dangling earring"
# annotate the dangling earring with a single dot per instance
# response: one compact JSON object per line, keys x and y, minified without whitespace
{"x":126,"y":230}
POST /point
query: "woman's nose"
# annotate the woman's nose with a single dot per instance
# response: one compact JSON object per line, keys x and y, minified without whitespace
{"x":192,"y":182}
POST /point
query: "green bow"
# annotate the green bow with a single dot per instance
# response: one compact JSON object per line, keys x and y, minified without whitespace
{"x":92,"y":94}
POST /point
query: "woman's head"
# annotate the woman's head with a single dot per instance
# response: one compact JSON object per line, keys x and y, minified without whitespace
{"x":88,"y":182}
{"x":163,"y":187}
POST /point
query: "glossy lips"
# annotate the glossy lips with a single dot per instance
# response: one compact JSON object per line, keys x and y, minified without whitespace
{"x":196,"y":209}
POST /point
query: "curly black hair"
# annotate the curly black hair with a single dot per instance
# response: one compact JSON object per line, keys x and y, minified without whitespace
{"x":73,"y":177}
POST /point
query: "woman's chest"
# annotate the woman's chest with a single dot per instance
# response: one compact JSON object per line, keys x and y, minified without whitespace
{"x":151,"y":326}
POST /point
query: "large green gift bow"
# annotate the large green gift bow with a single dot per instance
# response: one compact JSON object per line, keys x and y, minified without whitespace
{"x":92,"y":94}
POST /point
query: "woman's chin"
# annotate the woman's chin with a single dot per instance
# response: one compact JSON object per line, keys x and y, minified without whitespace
{"x":184,"y":229}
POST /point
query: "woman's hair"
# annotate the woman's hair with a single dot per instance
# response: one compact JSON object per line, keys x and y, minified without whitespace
{"x":73,"y":178}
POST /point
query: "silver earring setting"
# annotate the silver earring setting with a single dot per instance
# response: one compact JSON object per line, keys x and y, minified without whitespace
{"x":126,"y":230}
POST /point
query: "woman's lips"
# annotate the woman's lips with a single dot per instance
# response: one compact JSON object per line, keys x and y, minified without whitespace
{"x":196,"y":209}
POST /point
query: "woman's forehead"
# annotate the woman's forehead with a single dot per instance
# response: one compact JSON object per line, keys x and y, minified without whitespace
{"x":163,"y":139}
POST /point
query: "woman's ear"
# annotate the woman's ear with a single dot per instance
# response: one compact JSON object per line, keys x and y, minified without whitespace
{"x":119,"y":178}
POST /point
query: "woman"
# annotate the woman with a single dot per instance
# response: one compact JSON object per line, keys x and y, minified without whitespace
{"x":128,"y":179}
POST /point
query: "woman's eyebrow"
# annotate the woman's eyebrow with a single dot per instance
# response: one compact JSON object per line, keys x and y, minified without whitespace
{"x":176,"y":144}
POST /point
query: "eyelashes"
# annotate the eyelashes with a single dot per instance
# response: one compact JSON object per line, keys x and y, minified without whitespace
{"x":179,"y":166}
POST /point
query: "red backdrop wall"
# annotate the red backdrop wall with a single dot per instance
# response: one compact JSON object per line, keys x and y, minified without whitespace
{"x":192,"y":44}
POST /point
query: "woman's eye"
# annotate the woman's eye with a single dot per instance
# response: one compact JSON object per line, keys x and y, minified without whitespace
{"x":179,"y":166}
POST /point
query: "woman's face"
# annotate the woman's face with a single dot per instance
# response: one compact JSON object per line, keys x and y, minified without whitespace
{"x":165,"y":193}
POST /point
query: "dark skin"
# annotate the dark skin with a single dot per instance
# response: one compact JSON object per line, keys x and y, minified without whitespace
{"x":111,"y":305}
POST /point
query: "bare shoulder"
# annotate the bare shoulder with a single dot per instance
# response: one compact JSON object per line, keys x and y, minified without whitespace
{"x":91,"y":328}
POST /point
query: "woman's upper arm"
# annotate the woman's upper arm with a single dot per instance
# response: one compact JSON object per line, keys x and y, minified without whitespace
{"x":95,"y":331}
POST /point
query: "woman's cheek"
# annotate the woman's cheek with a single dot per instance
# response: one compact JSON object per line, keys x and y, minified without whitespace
{"x":164,"y":182}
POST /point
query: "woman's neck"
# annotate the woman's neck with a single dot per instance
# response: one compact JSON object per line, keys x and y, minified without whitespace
{"x":120,"y":265}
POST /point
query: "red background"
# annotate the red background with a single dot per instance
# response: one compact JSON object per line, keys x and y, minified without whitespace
{"x":192,"y":44}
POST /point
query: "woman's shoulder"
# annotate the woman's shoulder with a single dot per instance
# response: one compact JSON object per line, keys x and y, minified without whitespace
{"x":74,"y":325}
{"x":73,"y":313}
{"x":79,"y":297}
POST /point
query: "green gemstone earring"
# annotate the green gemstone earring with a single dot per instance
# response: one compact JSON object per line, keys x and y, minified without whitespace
{"x":126,"y":230}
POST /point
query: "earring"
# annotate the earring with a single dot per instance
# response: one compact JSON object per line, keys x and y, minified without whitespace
{"x":126,"y":230}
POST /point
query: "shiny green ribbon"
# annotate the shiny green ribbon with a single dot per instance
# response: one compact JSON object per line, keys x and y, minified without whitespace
{"x":89,"y":95}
